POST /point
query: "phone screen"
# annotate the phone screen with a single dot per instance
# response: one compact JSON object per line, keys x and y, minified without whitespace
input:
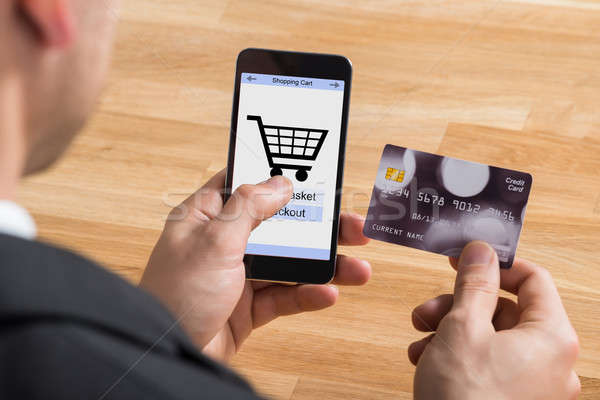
{"x":291,"y":126}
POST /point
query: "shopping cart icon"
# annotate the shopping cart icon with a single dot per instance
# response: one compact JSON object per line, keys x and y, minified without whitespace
{"x":289,"y":143}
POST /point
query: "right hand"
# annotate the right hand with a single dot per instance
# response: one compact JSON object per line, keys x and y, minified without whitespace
{"x":197,"y":266}
{"x":486,"y":347}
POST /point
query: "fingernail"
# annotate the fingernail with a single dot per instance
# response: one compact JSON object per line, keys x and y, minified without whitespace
{"x":334,"y":287}
{"x":476,"y":253}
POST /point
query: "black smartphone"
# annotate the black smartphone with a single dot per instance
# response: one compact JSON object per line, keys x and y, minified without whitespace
{"x":290,"y":114}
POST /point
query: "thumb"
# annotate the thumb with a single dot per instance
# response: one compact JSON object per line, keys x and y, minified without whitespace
{"x":249,"y":205}
{"x":477,"y":281}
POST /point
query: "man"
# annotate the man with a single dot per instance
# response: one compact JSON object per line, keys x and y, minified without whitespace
{"x":70,"y":329}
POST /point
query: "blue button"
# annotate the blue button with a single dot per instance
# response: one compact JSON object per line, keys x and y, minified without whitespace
{"x":300,"y":213}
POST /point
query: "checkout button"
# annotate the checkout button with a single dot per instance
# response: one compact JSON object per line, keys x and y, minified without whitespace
{"x":300,"y":213}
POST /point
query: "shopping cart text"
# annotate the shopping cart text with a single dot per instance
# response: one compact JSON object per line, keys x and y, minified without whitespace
{"x":294,"y":82}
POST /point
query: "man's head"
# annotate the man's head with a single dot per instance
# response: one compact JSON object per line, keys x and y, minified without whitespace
{"x":57,"y":52}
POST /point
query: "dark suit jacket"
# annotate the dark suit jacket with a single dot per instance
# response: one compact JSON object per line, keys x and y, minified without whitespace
{"x":71,"y":330}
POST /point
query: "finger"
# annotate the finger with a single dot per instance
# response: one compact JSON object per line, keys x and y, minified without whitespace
{"x":275,"y":301}
{"x":416,"y":349}
{"x":506,"y":315}
{"x":453,"y":262}
{"x":258,"y":285}
{"x":538,"y":297}
{"x":202,"y":205}
{"x":351,"y":271}
{"x":477,"y":281}
{"x":248,"y":206}
{"x":351,"y":230}
{"x":535,"y":288}
{"x":428,"y":315}
{"x":573,"y":386}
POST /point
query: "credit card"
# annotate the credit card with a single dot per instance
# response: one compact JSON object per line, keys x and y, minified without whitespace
{"x":439,"y":204}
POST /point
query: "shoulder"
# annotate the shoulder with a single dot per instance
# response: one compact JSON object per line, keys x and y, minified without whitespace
{"x":73,"y":361}
{"x":69,"y":321}
{"x":38,"y":280}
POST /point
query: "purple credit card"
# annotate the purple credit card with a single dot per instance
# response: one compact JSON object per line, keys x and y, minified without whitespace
{"x":439,"y":204}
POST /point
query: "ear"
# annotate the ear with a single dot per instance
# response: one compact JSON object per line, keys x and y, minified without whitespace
{"x":53,"y":19}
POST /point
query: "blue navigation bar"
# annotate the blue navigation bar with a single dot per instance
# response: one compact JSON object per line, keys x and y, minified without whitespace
{"x":287,"y":251}
{"x":292,"y":81}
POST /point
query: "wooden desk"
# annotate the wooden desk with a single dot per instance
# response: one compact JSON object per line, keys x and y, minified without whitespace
{"x":510,"y":83}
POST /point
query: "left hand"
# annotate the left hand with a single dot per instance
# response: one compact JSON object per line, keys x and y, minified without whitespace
{"x":490,"y":347}
{"x":197,"y":266}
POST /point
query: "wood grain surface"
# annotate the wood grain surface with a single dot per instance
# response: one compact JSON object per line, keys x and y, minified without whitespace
{"x":510,"y":83}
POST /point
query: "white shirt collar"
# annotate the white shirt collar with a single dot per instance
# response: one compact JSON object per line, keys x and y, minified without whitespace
{"x":16,"y":221}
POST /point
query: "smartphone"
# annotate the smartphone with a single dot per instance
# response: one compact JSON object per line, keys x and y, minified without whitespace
{"x":290,"y":114}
